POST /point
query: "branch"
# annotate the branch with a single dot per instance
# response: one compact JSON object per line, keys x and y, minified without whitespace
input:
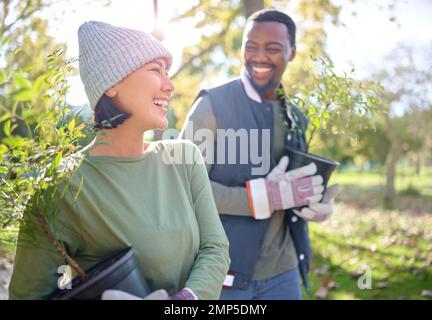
{"x":74,"y":265}
{"x":186,"y":13}
{"x":24,"y":14}
{"x":310,"y":138}
{"x":209,"y":48}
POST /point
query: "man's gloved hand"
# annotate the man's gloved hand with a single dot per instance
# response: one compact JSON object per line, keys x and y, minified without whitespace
{"x":161,"y":294}
{"x":284,"y":190}
{"x":321,"y":211}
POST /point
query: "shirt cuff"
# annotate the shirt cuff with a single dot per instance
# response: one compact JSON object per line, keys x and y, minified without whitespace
{"x":258,"y":199}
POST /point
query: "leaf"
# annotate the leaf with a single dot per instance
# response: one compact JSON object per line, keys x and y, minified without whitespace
{"x":5,"y":117}
{"x":39,"y":82}
{"x":3,"y":77}
{"x":426,"y":293}
{"x":57,"y":159}
{"x":321,"y":293}
{"x":382,"y":284}
{"x":71,"y":125}
{"x":21,"y":81}
{"x":6,"y":40}
{"x":322,"y":270}
{"x":6,"y":128}
{"x":23,"y":95}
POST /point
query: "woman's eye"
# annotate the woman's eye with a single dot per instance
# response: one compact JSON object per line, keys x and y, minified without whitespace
{"x":157,"y":70}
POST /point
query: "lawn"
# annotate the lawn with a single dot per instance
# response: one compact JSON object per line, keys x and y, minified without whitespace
{"x":393,"y":247}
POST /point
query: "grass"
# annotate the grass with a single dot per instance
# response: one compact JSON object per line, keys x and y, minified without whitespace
{"x":395,"y":246}
{"x":406,"y":179}
{"x":7,"y":241}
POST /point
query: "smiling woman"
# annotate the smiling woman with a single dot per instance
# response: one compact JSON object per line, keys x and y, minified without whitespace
{"x":123,"y":193}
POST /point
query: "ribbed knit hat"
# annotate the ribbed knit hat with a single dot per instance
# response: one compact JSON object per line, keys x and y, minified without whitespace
{"x":107,"y":54}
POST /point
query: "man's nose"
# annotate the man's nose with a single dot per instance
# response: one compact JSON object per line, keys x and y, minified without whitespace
{"x":261,"y":55}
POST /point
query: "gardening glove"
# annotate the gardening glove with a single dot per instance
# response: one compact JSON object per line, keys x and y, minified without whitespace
{"x":160,"y":294}
{"x":282,"y":189}
{"x":321,"y":211}
{"x":184,"y":294}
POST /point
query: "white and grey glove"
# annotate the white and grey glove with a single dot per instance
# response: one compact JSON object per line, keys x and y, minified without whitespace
{"x":160,"y":294}
{"x":282,"y":189}
{"x":319,"y":212}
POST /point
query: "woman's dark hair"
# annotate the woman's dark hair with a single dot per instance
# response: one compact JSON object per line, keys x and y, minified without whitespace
{"x":277,"y":16}
{"x":108,"y":115}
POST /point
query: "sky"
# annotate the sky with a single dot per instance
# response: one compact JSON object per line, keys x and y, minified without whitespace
{"x":368,"y":36}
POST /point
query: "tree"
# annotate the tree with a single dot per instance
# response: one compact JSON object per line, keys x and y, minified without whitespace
{"x":218,"y":51}
{"x":406,"y":80}
{"x":26,"y":46}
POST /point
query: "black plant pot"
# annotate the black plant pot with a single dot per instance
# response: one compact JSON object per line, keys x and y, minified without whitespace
{"x":325,"y":167}
{"x":119,"y":271}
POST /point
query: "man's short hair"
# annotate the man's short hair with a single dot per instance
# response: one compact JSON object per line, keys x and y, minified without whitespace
{"x":278,"y":16}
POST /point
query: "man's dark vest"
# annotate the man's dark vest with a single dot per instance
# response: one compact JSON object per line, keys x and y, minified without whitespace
{"x":233,"y":109}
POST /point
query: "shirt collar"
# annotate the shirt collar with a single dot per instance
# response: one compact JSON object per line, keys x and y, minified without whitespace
{"x":250,"y":90}
{"x":253,"y":94}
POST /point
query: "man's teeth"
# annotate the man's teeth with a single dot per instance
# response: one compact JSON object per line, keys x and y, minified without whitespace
{"x":160,"y":102}
{"x":258,"y":69}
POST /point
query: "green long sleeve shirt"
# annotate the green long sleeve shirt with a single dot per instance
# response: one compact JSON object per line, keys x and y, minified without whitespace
{"x":277,"y":253}
{"x":165,"y":211}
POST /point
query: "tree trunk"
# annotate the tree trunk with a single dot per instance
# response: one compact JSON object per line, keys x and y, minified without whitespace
{"x":390,"y":164}
{"x":250,"y":6}
{"x":391,"y":160}
{"x":418,"y":164}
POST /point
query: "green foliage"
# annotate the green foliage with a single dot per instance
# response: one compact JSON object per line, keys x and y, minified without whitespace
{"x":394,"y":246}
{"x":411,"y":191}
{"x":33,"y":164}
{"x":337,"y":104}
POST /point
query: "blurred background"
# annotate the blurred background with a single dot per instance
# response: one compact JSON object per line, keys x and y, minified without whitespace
{"x":378,"y":243}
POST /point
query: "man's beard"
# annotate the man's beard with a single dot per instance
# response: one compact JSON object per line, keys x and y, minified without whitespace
{"x":261,"y":88}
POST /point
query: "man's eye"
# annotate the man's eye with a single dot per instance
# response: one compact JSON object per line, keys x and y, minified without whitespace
{"x":249,"y":48}
{"x":157,"y":70}
{"x":273,"y":50}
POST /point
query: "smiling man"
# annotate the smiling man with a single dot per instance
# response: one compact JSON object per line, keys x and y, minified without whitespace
{"x":269,"y":244}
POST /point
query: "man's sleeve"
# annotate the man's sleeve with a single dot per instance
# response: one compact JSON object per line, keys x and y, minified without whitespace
{"x":229,"y":200}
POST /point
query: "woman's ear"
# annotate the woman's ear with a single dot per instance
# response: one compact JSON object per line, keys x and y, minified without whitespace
{"x":111,"y":92}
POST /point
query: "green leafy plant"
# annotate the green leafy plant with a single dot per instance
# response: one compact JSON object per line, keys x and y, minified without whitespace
{"x":336,"y":104}
{"x":33,"y":170}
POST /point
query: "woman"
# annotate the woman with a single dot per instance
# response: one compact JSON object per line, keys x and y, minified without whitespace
{"x":131,"y":195}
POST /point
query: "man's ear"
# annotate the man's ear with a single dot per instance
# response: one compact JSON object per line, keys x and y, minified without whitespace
{"x":293,"y":54}
{"x":111,"y":92}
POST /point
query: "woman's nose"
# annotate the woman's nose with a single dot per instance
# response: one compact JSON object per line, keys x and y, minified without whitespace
{"x":168,"y":85}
